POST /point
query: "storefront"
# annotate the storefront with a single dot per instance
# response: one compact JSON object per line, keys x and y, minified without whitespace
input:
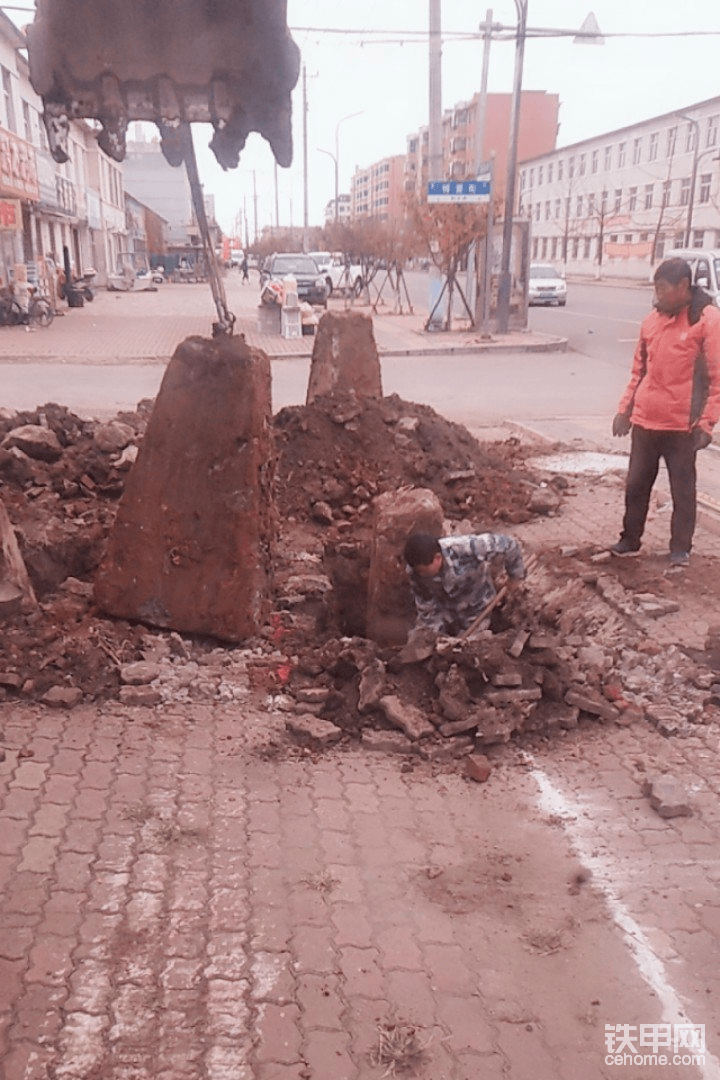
{"x":19,"y":192}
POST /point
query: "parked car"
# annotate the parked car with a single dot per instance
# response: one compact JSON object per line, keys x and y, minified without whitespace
{"x":340,"y":275}
{"x":546,"y":285}
{"x":310,"y":282}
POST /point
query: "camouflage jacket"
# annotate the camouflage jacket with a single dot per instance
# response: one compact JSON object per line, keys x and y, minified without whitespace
{"x":450,"y":601}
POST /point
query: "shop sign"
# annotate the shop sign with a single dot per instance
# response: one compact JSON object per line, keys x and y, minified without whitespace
{"x":18,"y":171}
{"x":10,"y":215}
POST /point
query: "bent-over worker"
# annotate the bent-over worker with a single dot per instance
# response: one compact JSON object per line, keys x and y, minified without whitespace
{"x":451,"y":577}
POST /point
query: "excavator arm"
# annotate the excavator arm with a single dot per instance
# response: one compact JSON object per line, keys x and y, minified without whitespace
{"x":230,"y":63}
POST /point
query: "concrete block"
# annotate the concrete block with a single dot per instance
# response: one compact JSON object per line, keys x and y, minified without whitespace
{"x":191,"y":545}
{"x":314,"y":729}
{"x":345,"y":358}
{"x":406,"y":717}
{"x":391,"y":608}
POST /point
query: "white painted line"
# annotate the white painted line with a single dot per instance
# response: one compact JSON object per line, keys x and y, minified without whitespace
{"x":649,"y":965}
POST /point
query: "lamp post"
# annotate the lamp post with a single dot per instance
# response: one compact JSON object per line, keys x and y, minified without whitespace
{"x":336,"y":157}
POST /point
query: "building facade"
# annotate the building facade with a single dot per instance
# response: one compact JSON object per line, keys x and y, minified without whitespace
{"x":344,"y":207}
{"x":619,"y":203}
{"x":537,"y":134}
{"x":46,"y":208}
{"x":377,"y":192}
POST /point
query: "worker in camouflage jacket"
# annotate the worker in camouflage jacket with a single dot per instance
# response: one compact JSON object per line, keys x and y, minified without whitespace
{"x":452,"y":579}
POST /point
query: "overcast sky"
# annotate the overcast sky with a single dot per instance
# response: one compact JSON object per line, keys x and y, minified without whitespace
{"x":601,"y":87}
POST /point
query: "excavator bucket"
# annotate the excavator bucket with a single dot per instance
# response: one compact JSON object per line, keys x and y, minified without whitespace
{"x":230,"y":63}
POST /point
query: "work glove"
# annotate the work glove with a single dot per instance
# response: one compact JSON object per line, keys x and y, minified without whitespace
{"x":621,"y":425}
{"x":701,"y":438}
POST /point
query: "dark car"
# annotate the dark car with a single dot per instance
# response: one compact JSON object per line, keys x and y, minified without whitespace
{"x":310,"y":282}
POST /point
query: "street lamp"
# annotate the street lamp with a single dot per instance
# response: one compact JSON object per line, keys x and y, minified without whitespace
{"x":693,"y":177}
{"x":588,"y":33}
{"x":336,"y":157}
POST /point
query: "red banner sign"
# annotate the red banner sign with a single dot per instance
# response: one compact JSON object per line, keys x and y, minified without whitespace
{"x":10,"y":214}
{"x":18,"y":170}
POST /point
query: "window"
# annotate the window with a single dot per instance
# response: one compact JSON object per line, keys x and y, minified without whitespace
{"x":540,"y":175}
{"x":603,"y":202}
{"x":698,"y":239}
{"x":594,"y":161}
{"x":621,"y":155}
{"x":705,"y":182}
{"x":618,"y":200}
{"x":679,"y":240}
{"x":571,"y":168}
{"x":543,"y":254}
{"x":666,"y":189}
{"x":550,"y":172}
{"x":712,"y":131}
{"x":628,"y":238}
{"x":644,"y":237}
{"x":608,"y":158}
{"x":591,"y":204}
{"x":671,"y":140}
{"x":560,"y":170}
{"x":523,"y":181}
{"x":535,"y":247}
{"x":567,"y":208}
{"x":27,"y":122}
{"x":547,"y":210}
{"x":8,"y":96}
{"x":537,"y":211}
{"x":660,"y":245}
{"x":648,"y":197}
{"x":690,"y":138}
{"x":575,"y":247}
{"x":586,"y":251}
{"x":581,"y":164}
{"x":637,"y":151}
{"x":653,"y":148}
{"x":531,"y":178}
{"x":412,"y":146}
{"x":554,"y":247}
{"x":458,"y":143}
{"x":613,"y":238}
{"x":579,"y":206}
{"x":558,"y":206}
{"x":685,"y":191}
{"x":632,"y":199}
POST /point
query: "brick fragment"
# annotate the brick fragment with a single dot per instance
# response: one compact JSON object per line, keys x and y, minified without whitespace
{"x":408,"y":718}
{"x":389,"y":742}
{"x":478,"y":768}
{"x":62,"y":697}
{"x":314,"y":729}
{"x":591,"y":703}
{"x":667,"y":797}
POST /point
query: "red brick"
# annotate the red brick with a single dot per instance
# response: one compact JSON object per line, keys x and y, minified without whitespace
{"x":328,"y":1055}
{"x":13,"y":836}
{"x":68,"y":762}
{"x":72,"y":870}
{"x":399,"y":949}
{"x":412,"y":996}
{"x":19,"y":803}
{"x":38,"y":1015}
{"x":91,"y":804}
{"x":352,"y":924}
{"x":27,"y":1061}
{"x":51,"y":961}
{"x":446,"y":966}
{"x":271,"y":929}
{"x":278,"y":1034}
{"x":320,"y":1001}
{"x":313,"y":948}
{"x":362,"y":974}
{"x":465,"y":1018}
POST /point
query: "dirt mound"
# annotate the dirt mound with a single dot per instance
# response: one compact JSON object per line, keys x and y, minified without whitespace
{"x":341,"y":452}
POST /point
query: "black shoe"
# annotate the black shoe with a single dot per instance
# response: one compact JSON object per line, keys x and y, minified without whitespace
{"x":679,"y":559}
{"x":625,"y":549}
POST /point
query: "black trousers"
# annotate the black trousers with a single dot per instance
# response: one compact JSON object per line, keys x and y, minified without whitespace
{"x":646,"y":450}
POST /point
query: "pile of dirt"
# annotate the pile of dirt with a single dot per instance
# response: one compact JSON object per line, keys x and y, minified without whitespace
{"x":568,"y":649}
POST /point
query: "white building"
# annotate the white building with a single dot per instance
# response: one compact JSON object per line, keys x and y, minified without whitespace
{"x":619,"y":203}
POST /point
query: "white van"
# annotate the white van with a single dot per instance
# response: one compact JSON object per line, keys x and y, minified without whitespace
{"x":705,"y":265}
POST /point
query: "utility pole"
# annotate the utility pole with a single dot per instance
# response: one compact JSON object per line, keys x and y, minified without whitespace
{"x":305,"y":159}
{"x":245,"y":217}
{"x":255,"y":234}
{"x":481,"y":286}
{"x":435,"y":148}
{"x":277,"y":199}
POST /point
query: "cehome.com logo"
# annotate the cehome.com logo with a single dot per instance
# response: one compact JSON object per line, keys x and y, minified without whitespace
{"x":655,"y":1044}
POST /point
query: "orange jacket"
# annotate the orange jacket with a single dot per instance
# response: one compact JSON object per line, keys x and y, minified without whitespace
{"x":675,"y":380}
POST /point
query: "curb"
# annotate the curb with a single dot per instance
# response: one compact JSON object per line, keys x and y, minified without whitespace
{"x":556,"y":345}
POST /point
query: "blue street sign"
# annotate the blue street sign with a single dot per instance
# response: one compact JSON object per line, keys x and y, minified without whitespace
{"x":458,"y":191}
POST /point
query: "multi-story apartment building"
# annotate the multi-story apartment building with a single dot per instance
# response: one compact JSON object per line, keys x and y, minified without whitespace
{"x":537,"y":135}
{"x":344,"y":203}
{"x":377,"y":192}
{"x":620,"y":202}
{"x":46,"y":207}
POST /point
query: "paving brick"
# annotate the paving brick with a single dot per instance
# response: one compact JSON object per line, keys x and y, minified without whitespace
{"x":411,"y":995}
{"x":272,"y":977}
{"x":270,"y":929}
{"x":447,"y":969}
{"x":313,"y":948}
{"x":278,"y":1033}
{"x":399,"y":949}
{"x":38,"y":1015}
{"x":352,"y":926}
{"x":90,"y":988}
{"x":320,"y":1001}
{"x":361,"y":972}
{"x":39,"y":854}
{"x":50,"y":961}
{"x":19,"y":803}
{"x":464,"y":1017}
{"x":27,"y":1061}
{"x":328,"y":1055}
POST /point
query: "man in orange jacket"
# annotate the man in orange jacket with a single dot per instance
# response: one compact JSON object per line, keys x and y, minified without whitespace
{"x":672,"y":404}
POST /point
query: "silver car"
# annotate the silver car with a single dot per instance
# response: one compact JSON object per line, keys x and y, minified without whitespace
{"x":546,"y":285}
